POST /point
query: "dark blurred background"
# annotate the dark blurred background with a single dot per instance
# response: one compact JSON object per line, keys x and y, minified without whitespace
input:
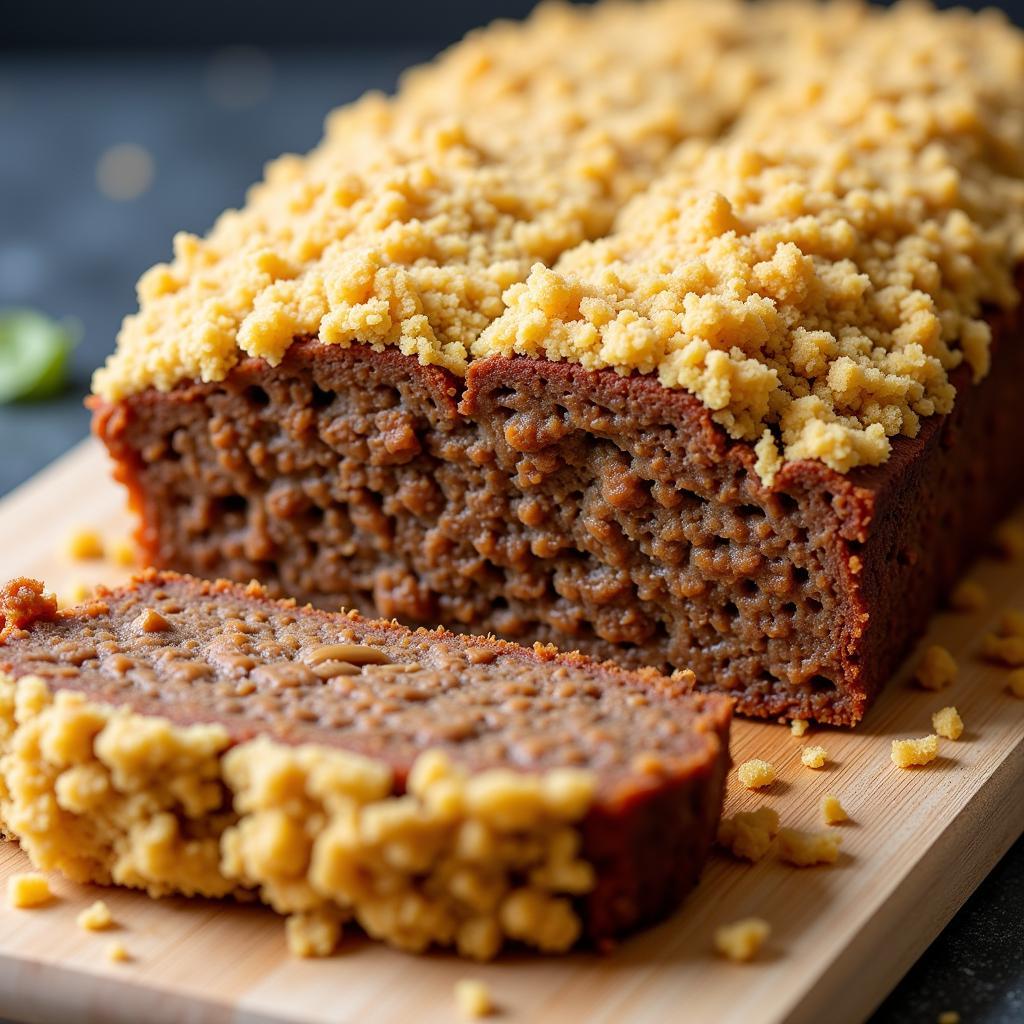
{"x":121,"y":123}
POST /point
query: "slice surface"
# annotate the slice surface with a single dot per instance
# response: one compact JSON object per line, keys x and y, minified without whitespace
{"x":179,"y":735}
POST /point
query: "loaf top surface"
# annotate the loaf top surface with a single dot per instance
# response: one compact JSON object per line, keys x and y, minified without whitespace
{"x":801,"y":214}
{"x":194,"y":651}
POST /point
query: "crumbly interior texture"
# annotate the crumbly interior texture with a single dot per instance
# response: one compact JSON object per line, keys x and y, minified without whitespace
{"x":798,"y":213}
{"x":108,"y":796}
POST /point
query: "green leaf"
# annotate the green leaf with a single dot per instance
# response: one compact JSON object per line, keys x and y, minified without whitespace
{"x":34,"y":354}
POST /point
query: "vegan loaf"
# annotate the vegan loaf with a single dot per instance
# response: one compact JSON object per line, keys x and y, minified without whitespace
{"x":679,"y":334}
{"x":183,"y":736}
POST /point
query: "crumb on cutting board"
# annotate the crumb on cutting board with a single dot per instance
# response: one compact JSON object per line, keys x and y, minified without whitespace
{"x":473,"y":998}
{"x":84,"y":544}
{"x":798,"y":727}
{"x":805,"y":849}
{"x":742,"y":940}
{"x":936,"y":669}
{"x":832,"y":810}
{"x":1006,"y":650}
{"x":117,"y":953}
{"x":813,"y":757}
{"x":756,"y":773}
{"x":312,"y":934}
{"x":911,"y":753}
{"x":968,"y":596}
{"x":95,"y":918}
{"x":28,"y":889}
{"x":948,"y":723}
{"x":748,"y":834}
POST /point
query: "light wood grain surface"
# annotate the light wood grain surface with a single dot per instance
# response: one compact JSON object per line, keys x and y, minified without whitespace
{"x":918,"y":843}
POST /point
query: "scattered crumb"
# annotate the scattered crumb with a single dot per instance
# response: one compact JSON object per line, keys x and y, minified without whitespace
{"x":95,"y":918}
{"x":473,"y":998}
{"x":1009,"y":539}
{"x":84,"y":544}
{"x":756,"y":773}
{"x":749,"y":833}
{"x":1015,"y":683}
{"x":949,"y":1017}
{"x":936,"y":669}
{"x":117,"y":953}
{"x":804,"y":849}
{"x":122,"y":552}
{"x":77,"y":593}
{"x":798,"y":727}
{"x":28,"y":889}
{"x":906,"y":753}
{"x":1011,"y":623}
{"x":741,"y":940}
{"x":832,"y":810}
{"x":1006,"y":650}
{"x":968,"y":596}
{"x":813,"y":757}
{"x":312,"y":934}
{"x":948,"y":723}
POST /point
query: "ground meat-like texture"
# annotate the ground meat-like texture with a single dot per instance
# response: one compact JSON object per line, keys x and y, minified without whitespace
{"x":546,"y":502}
{"x":192,"y":651}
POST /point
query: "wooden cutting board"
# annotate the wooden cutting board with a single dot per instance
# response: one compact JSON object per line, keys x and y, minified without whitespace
{"x":919,"y":842}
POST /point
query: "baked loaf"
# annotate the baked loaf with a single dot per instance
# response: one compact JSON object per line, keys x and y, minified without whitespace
{"x":182,"y":736}
{"x":680,"y":334}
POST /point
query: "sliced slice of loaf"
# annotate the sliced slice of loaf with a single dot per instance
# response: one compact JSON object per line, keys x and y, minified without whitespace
{"x":183,"y":736}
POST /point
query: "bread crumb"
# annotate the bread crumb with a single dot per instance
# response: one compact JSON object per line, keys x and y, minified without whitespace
{"x":473,"y":998}
{"x":1009,"y":539}
{"x":968,"y":596}
{"x":77,"y":593}
{"x":123,"y":553}
{"x":741,"y":940}
{"x":756,"y":773}
{"x":907,"y":753}
{"x":312,"y":934}
{"x":95,"y":918}
{"x":948,"y":723}
{"x":1011,"y":623}
{"x":804,"y":849}
{"x":1015,"y":683}
{"x":28,"y":889}
{"x":949,"y":1017}
{"x":749,"y":833}
{"x":1006,"y":650}
{"x":117,"y":953}
{"x":832,"y":810}
{"x":936,"y":669}
{"x":813,"y":757}
{"x":84,"y":543}
{"x":799,"y":726}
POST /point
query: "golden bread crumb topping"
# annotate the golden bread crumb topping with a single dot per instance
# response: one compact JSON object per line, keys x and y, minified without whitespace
{"x":799,"y":214}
